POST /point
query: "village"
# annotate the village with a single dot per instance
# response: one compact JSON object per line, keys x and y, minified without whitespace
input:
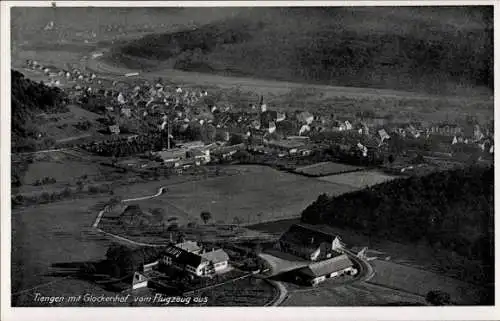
{"x":184,"y":127}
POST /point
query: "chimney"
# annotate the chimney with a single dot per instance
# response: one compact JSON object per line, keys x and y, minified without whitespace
{"x":168,"y":133}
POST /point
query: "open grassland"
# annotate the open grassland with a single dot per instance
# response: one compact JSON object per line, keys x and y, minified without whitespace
{"x":68,"y":169}
{"x":326,"y":168}
{"x":48,"y":234}
{"x":258,"y":194}
{"x":406,"y":278}
{"x":244,"y":292}
{"x":359,"y":179}
{"x":355,"y":294}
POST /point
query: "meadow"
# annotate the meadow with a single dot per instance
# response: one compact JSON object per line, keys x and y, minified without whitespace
{"x":48,"y":234}
{"x":355,"y":294}
{"x":258,"y":194}
{"x":407,"y":278}
{"x":360,"y":179}
{"x":326,"y":168}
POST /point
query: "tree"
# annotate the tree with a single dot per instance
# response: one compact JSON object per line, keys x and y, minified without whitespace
{"x":237,"y":220}
{"x":205,"y":216}
{"x":438,"y":297}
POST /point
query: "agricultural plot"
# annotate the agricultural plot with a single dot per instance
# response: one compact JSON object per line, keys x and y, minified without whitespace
{"x":48,"y":234}
{"x":326,"y":168}
{"x":354,"y":294}
{"x":258,"y":194}
{"x":359,"y":180}
{"x":65,"y":170}
{"x":244,"y":292}
{"x":410,"y":279}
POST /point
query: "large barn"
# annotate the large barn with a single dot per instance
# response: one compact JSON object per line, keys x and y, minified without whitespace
{"x":318,"y":272}
{"x":310,"y":244}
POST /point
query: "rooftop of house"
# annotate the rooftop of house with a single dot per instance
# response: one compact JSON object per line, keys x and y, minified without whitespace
{"x":171,"y":153}
{"x":328,"y":266}
{"x":286,"y":143}
{"x":216,"y":256}
{"x":183,"y":256}
{"x":189,"y":246}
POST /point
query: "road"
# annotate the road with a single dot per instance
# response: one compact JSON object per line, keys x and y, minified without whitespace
{"x":261,"y":86}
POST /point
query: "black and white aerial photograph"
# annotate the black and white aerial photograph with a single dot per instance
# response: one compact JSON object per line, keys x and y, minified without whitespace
{"x":251,"y":156}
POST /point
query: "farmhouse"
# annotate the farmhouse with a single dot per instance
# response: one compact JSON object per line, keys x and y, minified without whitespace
{"x":318,"y":272}
{"x":188,"y":258}
{"x":218,"y":258}
{"x":310,"y":244}
{"x":187,"y":261}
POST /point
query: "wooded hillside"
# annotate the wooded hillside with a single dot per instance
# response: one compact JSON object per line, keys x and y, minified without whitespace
{"x":452,"y":210}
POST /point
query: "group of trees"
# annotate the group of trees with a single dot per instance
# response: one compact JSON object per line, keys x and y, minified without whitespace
{"x":28,"y":99}
{"x":450,"y":210}
{"x":123,"y":260}
{"x":45,"y":181}
{"x":46,"y":197}
{"x":124,"y":147}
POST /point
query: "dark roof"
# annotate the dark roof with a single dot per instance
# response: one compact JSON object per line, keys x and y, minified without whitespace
{"x":328,"y":266}
{"x":182,"y":256}
{"x":304,"y":236}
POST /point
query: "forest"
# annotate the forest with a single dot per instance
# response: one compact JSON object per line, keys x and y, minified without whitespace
{"x":29,"y":99}
{"x":452,"y":210}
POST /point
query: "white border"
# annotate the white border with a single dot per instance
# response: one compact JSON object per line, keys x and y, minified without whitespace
{"x":276,"y":313}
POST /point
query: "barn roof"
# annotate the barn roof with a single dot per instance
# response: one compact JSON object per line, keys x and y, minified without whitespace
{"x":328,"y":266}
{"x":302,"y":235}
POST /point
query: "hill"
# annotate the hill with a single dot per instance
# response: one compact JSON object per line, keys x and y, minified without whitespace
{"x":437,"y":50}
{"x":28,"y":100}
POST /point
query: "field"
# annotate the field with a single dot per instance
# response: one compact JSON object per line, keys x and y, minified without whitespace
{"x":326,"y":168}
{"x":418,"y":281}
{"x":358,"y":294}
{"x":67,"y":168}
{"x":258,"y":194}
{"x":48,"y":234}
{"x":359,"y":179}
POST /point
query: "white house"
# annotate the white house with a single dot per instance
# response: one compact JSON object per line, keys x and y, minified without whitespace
{"x":139,"y":281}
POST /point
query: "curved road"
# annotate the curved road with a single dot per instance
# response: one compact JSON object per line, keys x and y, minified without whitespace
{"x":262,"y":86}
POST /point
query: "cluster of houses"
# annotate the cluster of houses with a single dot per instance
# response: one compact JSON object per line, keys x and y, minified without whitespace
{"x":164,"y":107}
{"x":188,"y":257}
{"x":71,"y":75}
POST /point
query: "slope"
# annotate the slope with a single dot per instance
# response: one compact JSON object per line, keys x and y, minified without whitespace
{"x":428,"y":49}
